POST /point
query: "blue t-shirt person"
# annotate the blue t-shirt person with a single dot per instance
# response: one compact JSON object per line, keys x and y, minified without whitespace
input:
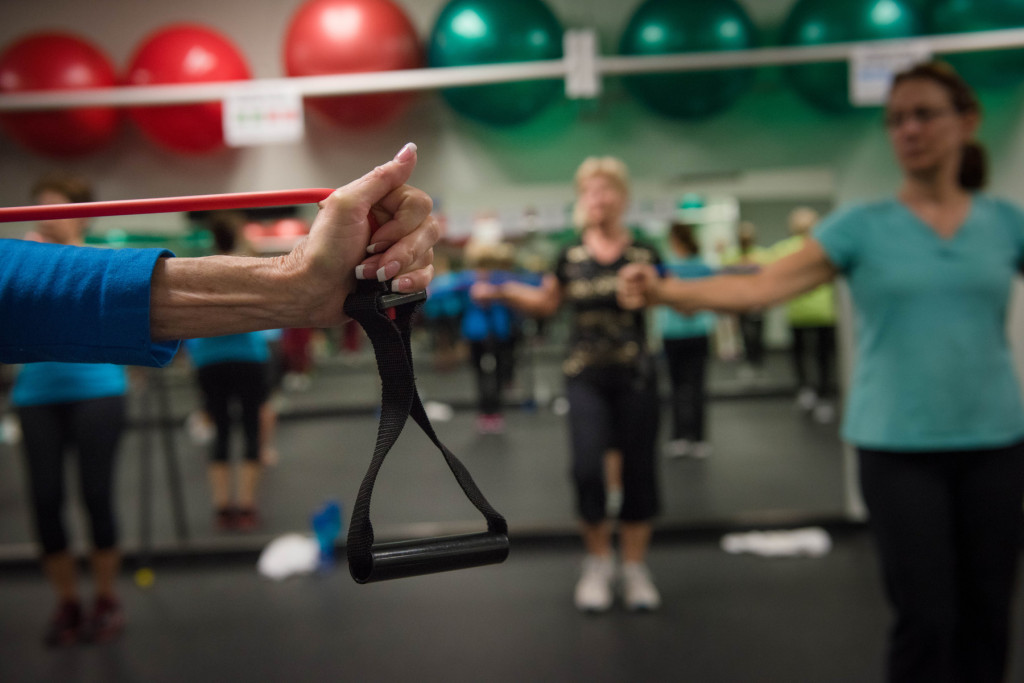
{"x":248,"y":347}
{"x":933,"y":366}
{"x":80,"y":304}
{"x":49,"y":383}
{"x":672,"y":323}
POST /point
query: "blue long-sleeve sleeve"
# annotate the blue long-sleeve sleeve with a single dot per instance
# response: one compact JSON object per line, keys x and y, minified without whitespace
{"x":77,"y":304}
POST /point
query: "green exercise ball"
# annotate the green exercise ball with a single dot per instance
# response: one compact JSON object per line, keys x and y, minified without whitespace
{"x":993,"y":68}
{"x":819,"y":22}
{"x":671,"y":26}
{"x":471,"y":32}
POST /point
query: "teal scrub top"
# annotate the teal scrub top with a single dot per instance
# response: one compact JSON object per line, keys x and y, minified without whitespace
{"x":933,"y":369}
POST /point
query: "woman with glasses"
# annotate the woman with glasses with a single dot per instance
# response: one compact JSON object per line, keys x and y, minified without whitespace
{"x":935,"y":407}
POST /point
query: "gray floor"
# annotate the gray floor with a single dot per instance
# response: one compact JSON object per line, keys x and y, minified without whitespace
{"x":725,"y":619}
{"x":729,"y":619}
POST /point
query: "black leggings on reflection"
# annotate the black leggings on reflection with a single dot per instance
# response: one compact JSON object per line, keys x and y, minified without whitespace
{"x":93,"y":428}
{"x":687,"y":366}
{"x":614,"y":408}
{"x":493,"y":361}
{"x":948,"y":529}
{"x":823,"y":341}
{"x":222,"y":382}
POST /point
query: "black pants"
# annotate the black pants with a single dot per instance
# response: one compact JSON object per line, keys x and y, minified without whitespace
{"x":752,"y":331}
{"x":493,"y":361}
{"x":93,"y":429}
{"x":220,"y":384}
{"x":823,"y":341}
{"x":687,"y":367}
{"x":614,"y":408}
{"x":948,"y":529}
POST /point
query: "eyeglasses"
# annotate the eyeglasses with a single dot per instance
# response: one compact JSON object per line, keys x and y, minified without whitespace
{"x":922,"y":115}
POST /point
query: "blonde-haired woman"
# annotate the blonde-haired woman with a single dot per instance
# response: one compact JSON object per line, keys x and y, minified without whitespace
{"x":610,"y":383}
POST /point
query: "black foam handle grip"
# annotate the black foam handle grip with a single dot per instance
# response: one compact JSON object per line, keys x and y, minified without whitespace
{"x":400,"y":559}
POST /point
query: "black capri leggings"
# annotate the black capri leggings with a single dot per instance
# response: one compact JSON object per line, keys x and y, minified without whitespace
{"x":948,"y":529}
{"x":222,"y":382}
{"x":614,"y":408}
{"x":93,"y":428}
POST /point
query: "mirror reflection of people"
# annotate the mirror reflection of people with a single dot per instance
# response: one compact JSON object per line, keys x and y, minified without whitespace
{"x":935,"y":405}
{"x":748,"y":257}
{"x":812,"y":321}
{"x":77,"y":408}
{"x":610,"y":384}
{"x":687,"y":347}
{"x":233,"y":370}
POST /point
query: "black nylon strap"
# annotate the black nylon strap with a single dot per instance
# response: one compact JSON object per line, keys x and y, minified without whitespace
{"x":399,"y":400}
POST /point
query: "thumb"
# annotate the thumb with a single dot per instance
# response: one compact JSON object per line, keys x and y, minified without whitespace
{"x":361,"y":194}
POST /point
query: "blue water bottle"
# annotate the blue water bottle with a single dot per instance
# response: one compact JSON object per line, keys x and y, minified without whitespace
{"x":327,"y":527}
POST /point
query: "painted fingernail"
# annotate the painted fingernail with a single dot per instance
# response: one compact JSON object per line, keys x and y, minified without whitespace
{"x":406,"y":152}
{"x":360,"y":272}
{"x":388,"y":271}
{"x":402,"y":284}
{"x":372,"y":248}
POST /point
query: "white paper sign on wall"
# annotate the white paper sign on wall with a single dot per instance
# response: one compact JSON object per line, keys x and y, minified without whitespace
{"x":872,"y":69}
{"x":263,"y":117}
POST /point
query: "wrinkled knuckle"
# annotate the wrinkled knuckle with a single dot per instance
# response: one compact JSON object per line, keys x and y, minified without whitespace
{"x":421,"y":201}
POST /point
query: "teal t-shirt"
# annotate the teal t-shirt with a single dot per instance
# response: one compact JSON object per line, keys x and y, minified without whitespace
{"x":933,"y":369}
{"x":676,"y":325}
{"x":247,"y":347}
{"x":48,"y":383}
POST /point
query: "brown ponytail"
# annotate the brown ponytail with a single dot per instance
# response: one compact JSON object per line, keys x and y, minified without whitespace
{"x":973,"y":166}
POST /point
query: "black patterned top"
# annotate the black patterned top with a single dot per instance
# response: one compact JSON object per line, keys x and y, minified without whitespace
{"x":602,"y":334}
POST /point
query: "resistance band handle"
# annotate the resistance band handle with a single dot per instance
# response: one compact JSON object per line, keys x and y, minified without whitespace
{"x":386,"y":319}
{"x":401,"y":559}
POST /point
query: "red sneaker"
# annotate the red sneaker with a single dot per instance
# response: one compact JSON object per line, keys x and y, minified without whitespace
{"x":107,"y":619}
{"x":226,"y":518}
{"x":66,"y":625}
{"x":247,"y":519}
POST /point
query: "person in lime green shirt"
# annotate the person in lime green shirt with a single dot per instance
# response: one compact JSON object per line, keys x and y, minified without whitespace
{"x":812,"y":320}
{"x":748,"y":257}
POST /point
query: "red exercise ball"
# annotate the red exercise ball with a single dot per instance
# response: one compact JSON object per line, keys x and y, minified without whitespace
{"x":350,"y":36}
{"x":184,"y":53}
{"x":58,"y":61}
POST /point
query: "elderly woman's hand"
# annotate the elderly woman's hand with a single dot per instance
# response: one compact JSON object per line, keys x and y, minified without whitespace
{"x":345,"y":242}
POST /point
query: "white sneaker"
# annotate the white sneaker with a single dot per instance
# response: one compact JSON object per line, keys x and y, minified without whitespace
{"x":806,"y":399}
{"x":678,"y":448}
{"x":701,"y":450}
{"x":199,"y":427}
{"x":594,"y":589}
{"x":638,"y":590}
{"x":824,"y":412}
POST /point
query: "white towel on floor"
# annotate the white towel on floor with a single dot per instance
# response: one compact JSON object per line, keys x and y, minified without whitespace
{"x":289,"y":555}
{"x":809,"y":541}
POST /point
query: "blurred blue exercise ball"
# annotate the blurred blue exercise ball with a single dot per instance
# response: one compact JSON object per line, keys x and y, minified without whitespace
{"x":820,"y":22}
{"x":472,"y":32}
{"x":670,"y":26}
{"x":992,"y":68}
